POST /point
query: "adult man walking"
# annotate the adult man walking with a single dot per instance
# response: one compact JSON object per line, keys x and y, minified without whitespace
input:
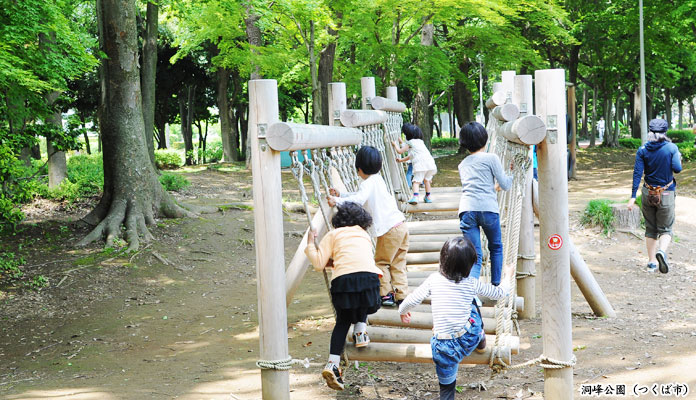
{"x":600,"y":129}
{"x":659,"y":159}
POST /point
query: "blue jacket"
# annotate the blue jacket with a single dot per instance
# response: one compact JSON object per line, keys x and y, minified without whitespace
{"x":659,"y":160}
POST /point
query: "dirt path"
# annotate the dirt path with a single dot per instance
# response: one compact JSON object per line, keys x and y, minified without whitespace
{"x":179,"y":320}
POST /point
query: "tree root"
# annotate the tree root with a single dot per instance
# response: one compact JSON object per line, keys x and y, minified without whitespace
{"x":135,"y":217}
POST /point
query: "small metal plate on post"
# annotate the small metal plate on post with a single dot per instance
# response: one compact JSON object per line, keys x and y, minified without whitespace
{"x":552,"y":135}
{"x":262,"y":130}
{"x":551,"y":122}
{"x":523,"y":107}
{"x":337,"y":114}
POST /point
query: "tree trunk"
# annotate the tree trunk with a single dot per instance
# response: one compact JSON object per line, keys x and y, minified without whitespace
{"x":186,"y":116}
{"x":133,"y":196}
{"x":421,"y":112}
{"x":57,"y":165}
{"x":615,"y":132}
{"x":607,"y":119}
{"x":637,"y":109}
{"x":229,"y":142}
{"x":161,"y":135}
{"x":326,"y":65}
{"x":148,"y":77}
{"x":84,"y":130}
{"x":668,"y":108}
{"x":584,"y":111}
{"x":593,"y":127}
{"x":255,"y":41}
{"x":572,"y":112}
{"x":681,"y":113}
{"x":438,"y":126}
{"x":692,"y":111}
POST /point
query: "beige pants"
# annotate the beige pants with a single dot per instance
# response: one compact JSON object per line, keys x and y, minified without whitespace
{"x":390,"y":257}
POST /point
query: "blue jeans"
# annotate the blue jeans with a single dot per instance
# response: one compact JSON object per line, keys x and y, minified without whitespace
{"x":448,"y":353}
{"x":469,"y":223}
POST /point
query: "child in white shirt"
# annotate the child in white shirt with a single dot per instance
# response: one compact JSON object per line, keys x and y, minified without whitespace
{"x":424,"y":167}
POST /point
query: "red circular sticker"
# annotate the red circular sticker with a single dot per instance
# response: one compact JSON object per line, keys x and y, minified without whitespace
{"x":555,"y":242}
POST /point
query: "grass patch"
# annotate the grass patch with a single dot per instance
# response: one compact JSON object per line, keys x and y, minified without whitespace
{"x":173,"y":182}
{"x":598,"y":213}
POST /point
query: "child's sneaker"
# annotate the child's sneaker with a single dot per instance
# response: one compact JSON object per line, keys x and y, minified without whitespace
{"x":414,"y":200}
{"x":652,"y":267}
{"x":361,"y":339}
{"x":427,"y":199}
{"x":388,"y":300}
{"x":332,"y":376}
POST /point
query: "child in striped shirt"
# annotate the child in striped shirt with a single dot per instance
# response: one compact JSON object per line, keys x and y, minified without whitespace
{"x":457,"y":322}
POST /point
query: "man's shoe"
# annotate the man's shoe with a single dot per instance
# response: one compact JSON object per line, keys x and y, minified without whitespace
{"x":662,"y":260}
{"x":361,"y":339}
{"x":652,"y":267}
{"x":332,"y":376}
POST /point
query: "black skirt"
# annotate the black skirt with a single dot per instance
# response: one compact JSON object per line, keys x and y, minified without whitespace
{"x":356,"y":291}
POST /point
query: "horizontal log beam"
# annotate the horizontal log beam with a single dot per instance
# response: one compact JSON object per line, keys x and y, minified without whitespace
{"x":506,"y":112}
{"x":384,"y":104}
{"x":423,"y":258}
{"x":415,"y":353}
{"x":437,"y":206}
{"x":289,"y":136}
{"x":498,"y":99}
{"x":424,"y":267}
{"x":424,"y":247}
{"x":433,"y":227}
{"x":419,"y":320}
{"x":486,"y":302}
{"x":356,"y":118}
{"x":446,"y":189}
{"x":527,"y":130}
{"x":440,"y":238}
{"x":381,"y":334}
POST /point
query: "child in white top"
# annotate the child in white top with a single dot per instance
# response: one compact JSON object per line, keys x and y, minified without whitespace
{"x":457,"y":323}
{"x":388,"y":224}
{"x":424,"y":167}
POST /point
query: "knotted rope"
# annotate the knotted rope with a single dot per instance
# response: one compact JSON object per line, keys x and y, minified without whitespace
{"x":282,"y":365}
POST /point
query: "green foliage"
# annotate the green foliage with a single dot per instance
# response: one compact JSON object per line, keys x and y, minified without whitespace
{"x":681,"y":136}
{"x":16,"y":184}
{"x":598,"y":213}
{"x":9,"y":266}
{"x":213,"y":152}
{"x":168,"y":159}
{"x":85,"y":178}
{"x":630,"y":143}
{"x":437,"y":142}
{"x":37,"y":282}
{"x":687,"y":150}
{"x":173,"y":182}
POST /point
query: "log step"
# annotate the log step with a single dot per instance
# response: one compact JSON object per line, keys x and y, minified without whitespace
{"x":424,"y":247}
{"x":419,"y":320}
{"x":430,"y":268}
{"x":381,"y":334}
{"x":442,"y":205}
{"x":519,"y":302}
{"x":486,"y":312}
{"x":438,"y":226}
{"x":446,"y":189}
{"x":414,"y":353}
{"x":423,"y":258}
{"x":441,"y":238}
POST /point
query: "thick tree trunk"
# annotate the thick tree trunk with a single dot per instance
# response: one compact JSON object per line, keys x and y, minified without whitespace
{"x":255,"y":41}
{"x":162,"y":142}
{"x":326,"y":65}
{"x":57,"y":165}
{"x":680,"y":105}
{"x":692,"y":111}
{"x":133,"y":196}
{"x":421,"y":112}
{"x":229,"y":142}
{"x":635,"y":126}
{"x":607,"y":119}
{"x":186,"y":116}
{"x":572,"y":112}
{"x":148,"y":77}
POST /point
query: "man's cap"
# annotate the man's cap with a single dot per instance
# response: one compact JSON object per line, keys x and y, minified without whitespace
{"x":658,"y":125}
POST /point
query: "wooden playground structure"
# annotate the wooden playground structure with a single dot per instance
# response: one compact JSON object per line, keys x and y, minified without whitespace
{"x":324,"y":155}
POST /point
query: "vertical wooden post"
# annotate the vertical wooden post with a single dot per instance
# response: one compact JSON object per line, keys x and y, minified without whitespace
{"x":508,"y":78}
{"x":367,"y":84}
{"x":392,"y":93}
{"x":337,"y":102}
{"x":553,"y":221}
{"x":522,"y":97}
{"x":269,"y":241}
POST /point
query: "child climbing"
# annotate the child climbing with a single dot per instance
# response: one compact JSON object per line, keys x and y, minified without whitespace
{"x":354,"y":281}
{"x":424,"y":167}
{"x":389,"y":227}
{"x":457,"y":322}
{"x":478,"y":205}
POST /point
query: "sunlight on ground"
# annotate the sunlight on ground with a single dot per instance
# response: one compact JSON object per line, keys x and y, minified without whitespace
{"x":72,"y":394}
{"x":248,"y":335}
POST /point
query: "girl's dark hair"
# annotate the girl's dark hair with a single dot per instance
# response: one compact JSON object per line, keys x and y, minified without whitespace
{"x":368,"y":160}
{"x":351,"y":214}
{"x":457,"y":257}
{"x":411,"y":131}
{"x":473,"y":136}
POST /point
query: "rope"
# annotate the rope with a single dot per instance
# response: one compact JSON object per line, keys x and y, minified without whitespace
{"x":282,"y":365}
{"x":546,"y":362}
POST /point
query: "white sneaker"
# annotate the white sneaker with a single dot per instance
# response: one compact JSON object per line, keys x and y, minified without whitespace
{"x":361,"y":339}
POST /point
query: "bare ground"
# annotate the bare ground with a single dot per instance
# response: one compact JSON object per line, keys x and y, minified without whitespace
{"x":179,"y":320}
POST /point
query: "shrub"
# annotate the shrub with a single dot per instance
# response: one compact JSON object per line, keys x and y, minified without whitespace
{"x":213,"y":152}
{"x":85,"y":178}
{"x":173,"y":182}
{"x":16,"y":185}
{"x":681,"y":136}
{"x":687,"y":151}
{"x":438,"y":142}
{"x":168,"y":159}
{"x":598,"y":213}
{"x":630,"y":143}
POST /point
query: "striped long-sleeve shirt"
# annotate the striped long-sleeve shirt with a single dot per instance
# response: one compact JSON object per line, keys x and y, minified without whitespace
{"x":451,"y":302}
